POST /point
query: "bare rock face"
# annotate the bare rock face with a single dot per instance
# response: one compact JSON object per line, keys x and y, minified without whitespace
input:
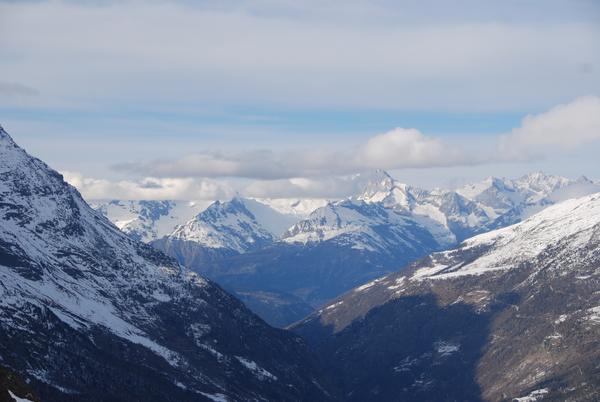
{"x":513,"y":313}
{"x":88,"y":313}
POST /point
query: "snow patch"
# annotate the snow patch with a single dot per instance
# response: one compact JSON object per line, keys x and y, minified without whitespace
{"x":216,"y":397}
{"x":533,"y":396}
{"x":17,"y":399}
{"x":445,"y":348}
{"x":258,"y":371}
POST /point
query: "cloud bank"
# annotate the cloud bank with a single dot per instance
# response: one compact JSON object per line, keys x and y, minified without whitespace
{"x":562,"y":128}
{"x":466,"y":55}
{"x":149,"y":188}
{"x":396,"y":149}
{"x":324,"y":173}
{"x":567,"y":126}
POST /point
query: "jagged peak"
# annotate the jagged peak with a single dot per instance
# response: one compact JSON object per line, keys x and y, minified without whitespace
{"x":583,"y":179}
{"x":5,"y":138}
{"x":375,"y":183}
{"x":494,"y":181}
{"x":539,"y":176}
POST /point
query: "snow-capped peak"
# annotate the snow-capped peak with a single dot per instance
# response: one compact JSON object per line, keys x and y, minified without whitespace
{"x":362,"y":225}
{"x":225,"y":225}
{"x":373,"y":182}
{"x":379,"y":187}
{"x":149,"y":220}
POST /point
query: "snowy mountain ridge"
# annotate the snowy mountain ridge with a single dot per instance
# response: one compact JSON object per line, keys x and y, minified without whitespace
{"x":450,"y":215}
{"x":358,"y":225}
{"x":90,"y":312}
{"x":228,"y":225}
{"x":573,"y":219}
{"x":148,"y":220}
{"x":507,"y":314}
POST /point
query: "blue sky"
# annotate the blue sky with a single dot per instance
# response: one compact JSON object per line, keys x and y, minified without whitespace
{"x":225,"y":92}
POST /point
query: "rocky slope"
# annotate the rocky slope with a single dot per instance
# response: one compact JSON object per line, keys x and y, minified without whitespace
{"x":513,"y":313}
{"x":14,"y":389}
{"x":88,"y":313}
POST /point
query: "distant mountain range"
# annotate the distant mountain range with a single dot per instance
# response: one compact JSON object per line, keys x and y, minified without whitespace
{"x":90,"y":314}
{"x":509,"y":315}
{"x":302,"y":253}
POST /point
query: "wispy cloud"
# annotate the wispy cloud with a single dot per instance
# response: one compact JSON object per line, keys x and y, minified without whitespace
{"x":15,"y":90}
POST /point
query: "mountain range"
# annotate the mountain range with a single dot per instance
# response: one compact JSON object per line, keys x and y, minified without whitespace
{"x":285,"y":258}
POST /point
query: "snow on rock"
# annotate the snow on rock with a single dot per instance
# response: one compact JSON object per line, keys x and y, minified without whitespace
{"x":228,"y":225}
{"x":363,"y":226}
{"x":533,"y":396}
{"x":17,"y":399}
{"x":510,"y":246}
{"x":446,"y":348}
{"x":79,"y":295}
{"x":296,"y":207}
{"x":258,"y":371}
{"x":149,"y":220}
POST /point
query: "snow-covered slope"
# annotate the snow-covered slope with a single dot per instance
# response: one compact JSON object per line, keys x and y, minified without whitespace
{"x":574,"y":219}
{"x":505,"y":315}
{"x":521,"y":198}
{"x":296,"y":207}
{"x":228,"y":225}
{"x":88,"y":313}
{"x":363,"y":226}
{"x":149,"y":220}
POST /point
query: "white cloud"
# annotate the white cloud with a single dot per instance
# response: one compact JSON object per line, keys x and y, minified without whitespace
{"x":150,"y":188}
{"x":322,"y":173}
{"x":408,"y":148}
{"x":399,"y":148}
{"x":564,"y":127}
{"x":324,"y":187}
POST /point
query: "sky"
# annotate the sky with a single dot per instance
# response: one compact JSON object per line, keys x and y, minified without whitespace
{"x":201,"y":99}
